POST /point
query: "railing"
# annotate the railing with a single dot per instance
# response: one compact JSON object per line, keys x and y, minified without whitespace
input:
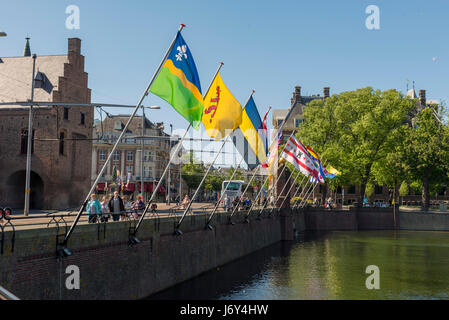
{"x":15,"y":222}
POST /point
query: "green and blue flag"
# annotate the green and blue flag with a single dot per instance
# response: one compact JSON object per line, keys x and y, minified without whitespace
{"x":178,"y":83}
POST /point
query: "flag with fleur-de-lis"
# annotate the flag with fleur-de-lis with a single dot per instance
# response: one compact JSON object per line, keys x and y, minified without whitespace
{"x":178,"y":83}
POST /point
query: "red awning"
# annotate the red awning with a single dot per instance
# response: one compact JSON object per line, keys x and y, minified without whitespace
{"x":148,"y":187}
{"x":101,"y":186}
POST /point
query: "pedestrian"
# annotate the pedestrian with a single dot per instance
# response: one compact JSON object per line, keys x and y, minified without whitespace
{"x":116,"y":206}
{"x":139,"y":205}
{"x":330,"y":203}
{"x":93,"y":208}
{"x":247,"y":203}
{"x":185,"y":201}
{"x":316,"y":203}
{"x":104,"y":210}
{"x":128,"y":209}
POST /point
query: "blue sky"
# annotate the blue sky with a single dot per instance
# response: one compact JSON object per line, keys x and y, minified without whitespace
{"x":268,"y":46}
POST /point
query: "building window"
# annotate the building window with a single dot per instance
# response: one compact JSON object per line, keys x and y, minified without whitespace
{"x":147,"y":172}
{"x":66,"y":113}
{"x":83,"y":118}
{"x":61,"y":143}
{"x":24,"y":142}
{"x":280,"y":122}
{"x":118,"y":125}
{"x":148,"y":156}
{"x":116,"y":155}
{"x":129,"y":156}
{"x":297,"y":122}
{"x":102,"y":155}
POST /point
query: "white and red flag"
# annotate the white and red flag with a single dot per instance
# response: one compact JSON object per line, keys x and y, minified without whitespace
{"x":295,"y":153}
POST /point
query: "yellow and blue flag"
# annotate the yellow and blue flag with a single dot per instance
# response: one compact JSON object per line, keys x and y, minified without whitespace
{"x":178,"y":83}
{"x":250,"y":138}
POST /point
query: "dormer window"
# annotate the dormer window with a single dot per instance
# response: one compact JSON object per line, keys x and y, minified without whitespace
{"x":117,"y":125}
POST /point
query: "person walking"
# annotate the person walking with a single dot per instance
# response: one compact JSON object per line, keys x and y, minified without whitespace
{"x":104,"y":210}
{"x":139,"y":205}
{"x":185,"y":201}
{"x":128,"y":209}
{"x":93,"y":208}
{"x":116,"y":206}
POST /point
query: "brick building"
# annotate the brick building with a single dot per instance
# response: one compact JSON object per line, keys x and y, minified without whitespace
{"x":127,"y":157}
{"x":61,"y":151}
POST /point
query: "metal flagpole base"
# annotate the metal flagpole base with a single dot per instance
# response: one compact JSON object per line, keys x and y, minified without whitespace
{"x":178,"y":232}
{"x":246,"y":220}
{"x":133,"y":240}
{"x":209,"y":226}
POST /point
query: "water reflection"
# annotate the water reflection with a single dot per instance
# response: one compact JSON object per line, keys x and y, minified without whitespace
{"x":331,"y":265}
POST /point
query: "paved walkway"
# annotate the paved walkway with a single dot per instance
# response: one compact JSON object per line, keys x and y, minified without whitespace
{"x":43,"y":218}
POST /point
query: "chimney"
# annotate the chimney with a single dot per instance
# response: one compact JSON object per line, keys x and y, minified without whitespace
{"x":27,"y":50}
{"x":75,"y":45}
{"x":296,"y":95}
{"x":422,"y":97}
{"x":326,"y":91}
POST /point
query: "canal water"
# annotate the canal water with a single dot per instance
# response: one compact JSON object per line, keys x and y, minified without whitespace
{"x":331,"y":265}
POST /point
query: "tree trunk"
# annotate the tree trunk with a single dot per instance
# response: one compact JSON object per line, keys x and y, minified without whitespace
{"x":362,"y":193}
{"x":324,"y":194}
{"x":425,"y":193}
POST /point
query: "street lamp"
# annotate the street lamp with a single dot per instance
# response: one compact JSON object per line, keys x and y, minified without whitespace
{"x":3,"y":33}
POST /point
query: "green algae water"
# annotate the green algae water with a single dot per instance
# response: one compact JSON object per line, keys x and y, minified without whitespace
{"x":331,"y":265}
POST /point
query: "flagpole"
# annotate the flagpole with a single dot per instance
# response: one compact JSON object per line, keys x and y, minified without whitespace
{"x":244,"y":192}
{"x":249,"y":183}
{"x":75,"y":222}
{"x":308,"y":195}
{"x":273,"y":187}
{"x":280,"y":193}
{"x":232,"y":176}
{"x":296,"y":192}
{"x":153,"y":195}
{"x":277,"y":178}
{"x":289,"y":190}
{"x":304,"y":193}
{"x":266,"y":179}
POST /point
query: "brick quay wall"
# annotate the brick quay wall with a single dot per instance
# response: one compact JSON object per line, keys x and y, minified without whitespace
{"x":111,"y":269}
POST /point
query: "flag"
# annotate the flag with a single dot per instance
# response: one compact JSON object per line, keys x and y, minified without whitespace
{"x":115,"y":174}
{"x":222,"y":113}
{"x":295,"y":153}
{"x":265,"y":131}
{"x":273,"y":150}
{"x":317,"y":161}
{"x":178,"y":83}
{"x":249,"y":138}
{"x":331,"y":173}
{"x":128,"y":179}
{"x":272,"y":163}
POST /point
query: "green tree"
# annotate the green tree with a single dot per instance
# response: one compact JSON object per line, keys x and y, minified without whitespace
{"x":354,"y":130}
{"x":426,"y":155}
